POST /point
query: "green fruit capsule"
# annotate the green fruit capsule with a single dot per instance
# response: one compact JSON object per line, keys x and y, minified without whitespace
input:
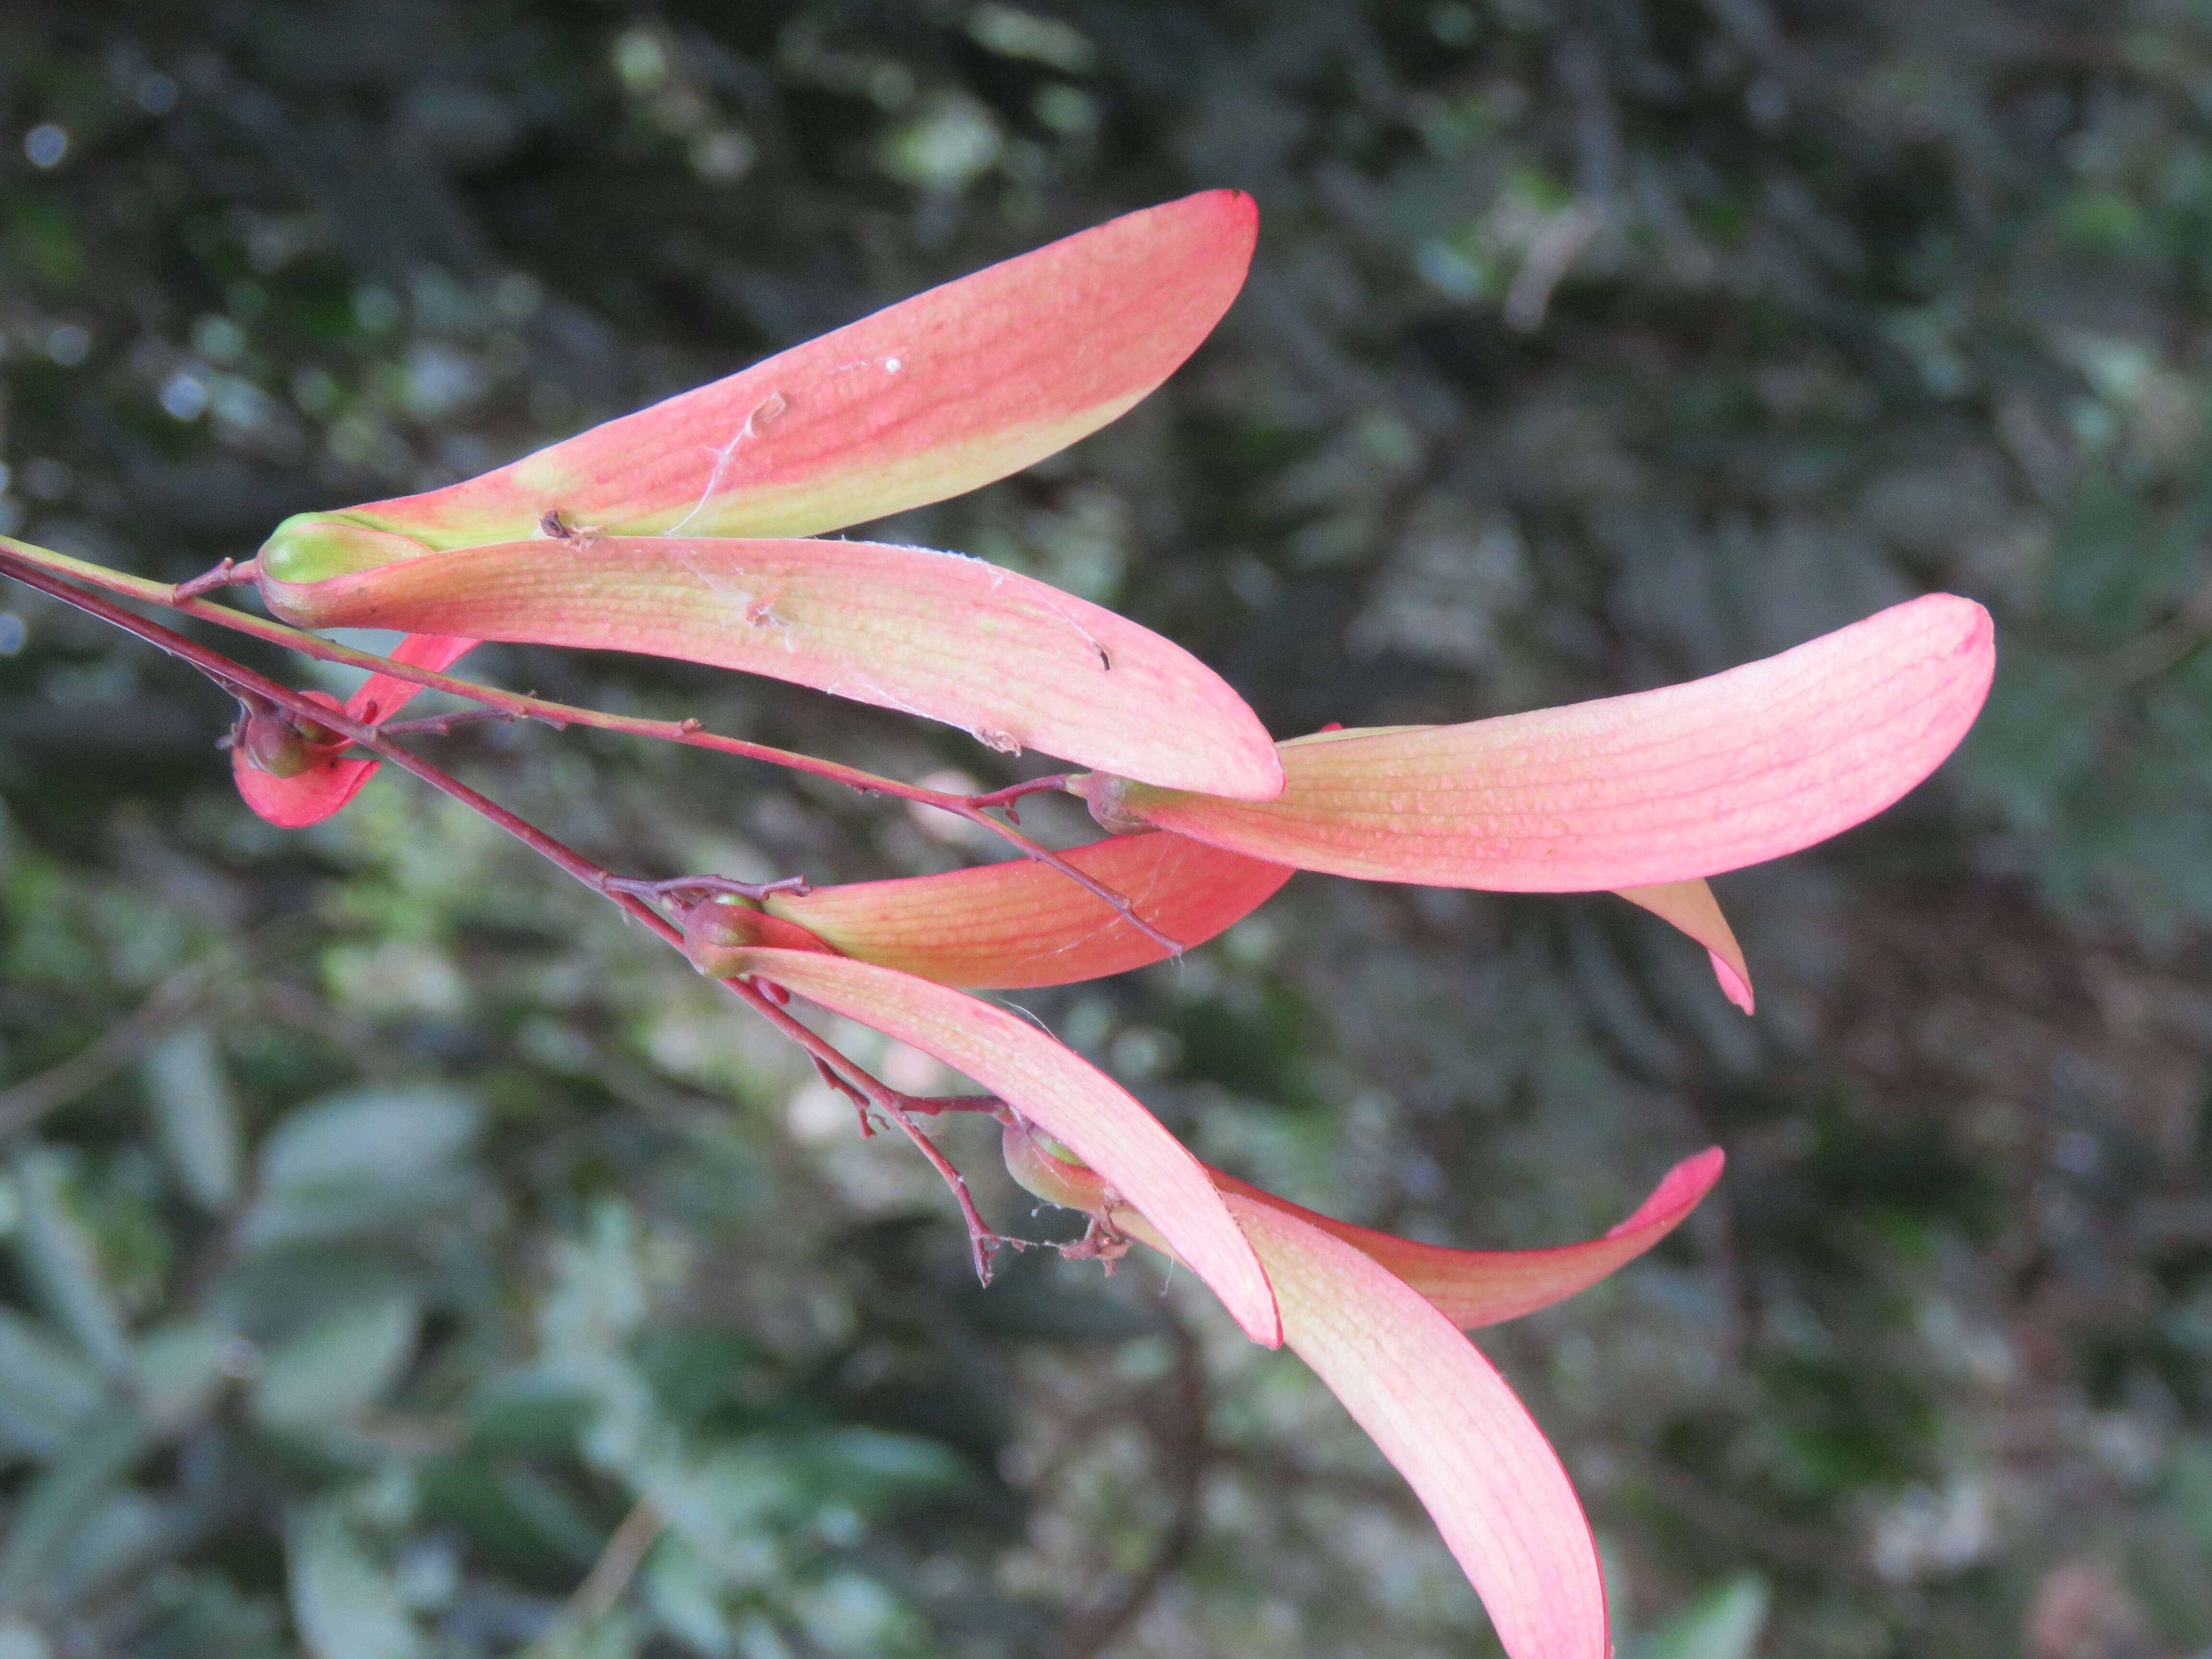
{"x":282,"y":744}
{"x":313,"y":547}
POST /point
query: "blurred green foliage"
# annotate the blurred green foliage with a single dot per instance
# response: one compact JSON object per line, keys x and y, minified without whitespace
{"x":402,"y":1258}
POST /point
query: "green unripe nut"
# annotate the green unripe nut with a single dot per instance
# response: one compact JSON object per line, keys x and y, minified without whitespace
{"x":313,"y":547}
{"x":273,"y":744}
{"x":282,"y":744}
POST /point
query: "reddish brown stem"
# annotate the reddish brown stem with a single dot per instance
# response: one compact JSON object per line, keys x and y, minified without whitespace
{"x":983,"y":1241}
{"x":20,"y":559}
{"x":852,"y":1093}
{"x":242,"y":682}
{"x":933,"y":1105}
{"x":228,"y":574}
{"x":1006,"y":798}
{"x":442,"y":726}
{"x":965,"y":807}
{"x":865,"y":1090}
{"x":676,"y":886}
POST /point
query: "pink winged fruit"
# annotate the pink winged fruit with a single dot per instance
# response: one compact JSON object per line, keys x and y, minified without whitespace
{"x":1379,"y":1319}
{"x":1020,"y":924}
{"x":1003,"y":927}
{"x":1645,"y":795}
{"x":621,"y":537}
{"x":1748,"y":764}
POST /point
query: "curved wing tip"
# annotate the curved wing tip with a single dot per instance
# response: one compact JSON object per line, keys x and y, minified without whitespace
{"x":1973,"y":629}
{"x":1268,"y":1332}
{"x":1967,"y":647}
{"x":1235,"y":214}
{"x":1733,"y":986}
{"x":1680,"y":1190}
{"x":1981,"y":643}
{"x":1227,"y":200}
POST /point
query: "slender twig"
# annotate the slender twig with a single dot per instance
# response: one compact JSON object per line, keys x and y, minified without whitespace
{"x":227,"y":573}
{"x":176,"y":595}
{"x":855,"y":1081}
{"x":24,"y":1103}
{"x":243,"y":682}
{"x":440,"y":725}
{"x":18,"y":558}
{"x":1005,"y":798}
{"x":983,"y":1243}
{"x":931,"y":1105}
{"x":919,"y":1105}
{"x":865,"y":1091}
{"x":676,"y":886}
{"x":258,"y":689}
{"x":604,"y":1584}
{"x":854,"y":1097}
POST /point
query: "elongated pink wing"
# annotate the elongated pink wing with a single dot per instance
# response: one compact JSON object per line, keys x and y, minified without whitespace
{"x":929,"y":399}
{"x":1451,"y":1426}
{"x":1473,"y":1288}
{"x":1018,"y":663}
{"x":1005,"y":925}
{"x":1691,"y":906}
{"x":1470,"y":1287}
{"x":1433,"y":1404}
{"x":1052,"y":1086}
{"x":1628,"y":792}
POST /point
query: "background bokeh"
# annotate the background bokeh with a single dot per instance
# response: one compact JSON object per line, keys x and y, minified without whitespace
{"x":403,"y":1257}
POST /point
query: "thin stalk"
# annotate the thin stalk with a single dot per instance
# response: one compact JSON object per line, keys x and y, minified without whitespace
{"x":98,"y":575}
{"x":23,"y":560}
{"x":243,"y":682}
{"x":983,"y":1244}
{"x":442,"y":726}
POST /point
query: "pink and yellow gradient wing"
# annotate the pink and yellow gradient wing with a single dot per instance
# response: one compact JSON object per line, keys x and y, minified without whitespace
{"x":1691,"y":906}
{"x":1633,"y":792}
{"x":1449,"y":1424}
{"x":1018,"y":663}
{"x":1002,"y":926}
{"x":1055,"y":1088}
{"x":1472,"y":1288}
{"x":926,"y":399}
{"x":1433,"y":1405}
